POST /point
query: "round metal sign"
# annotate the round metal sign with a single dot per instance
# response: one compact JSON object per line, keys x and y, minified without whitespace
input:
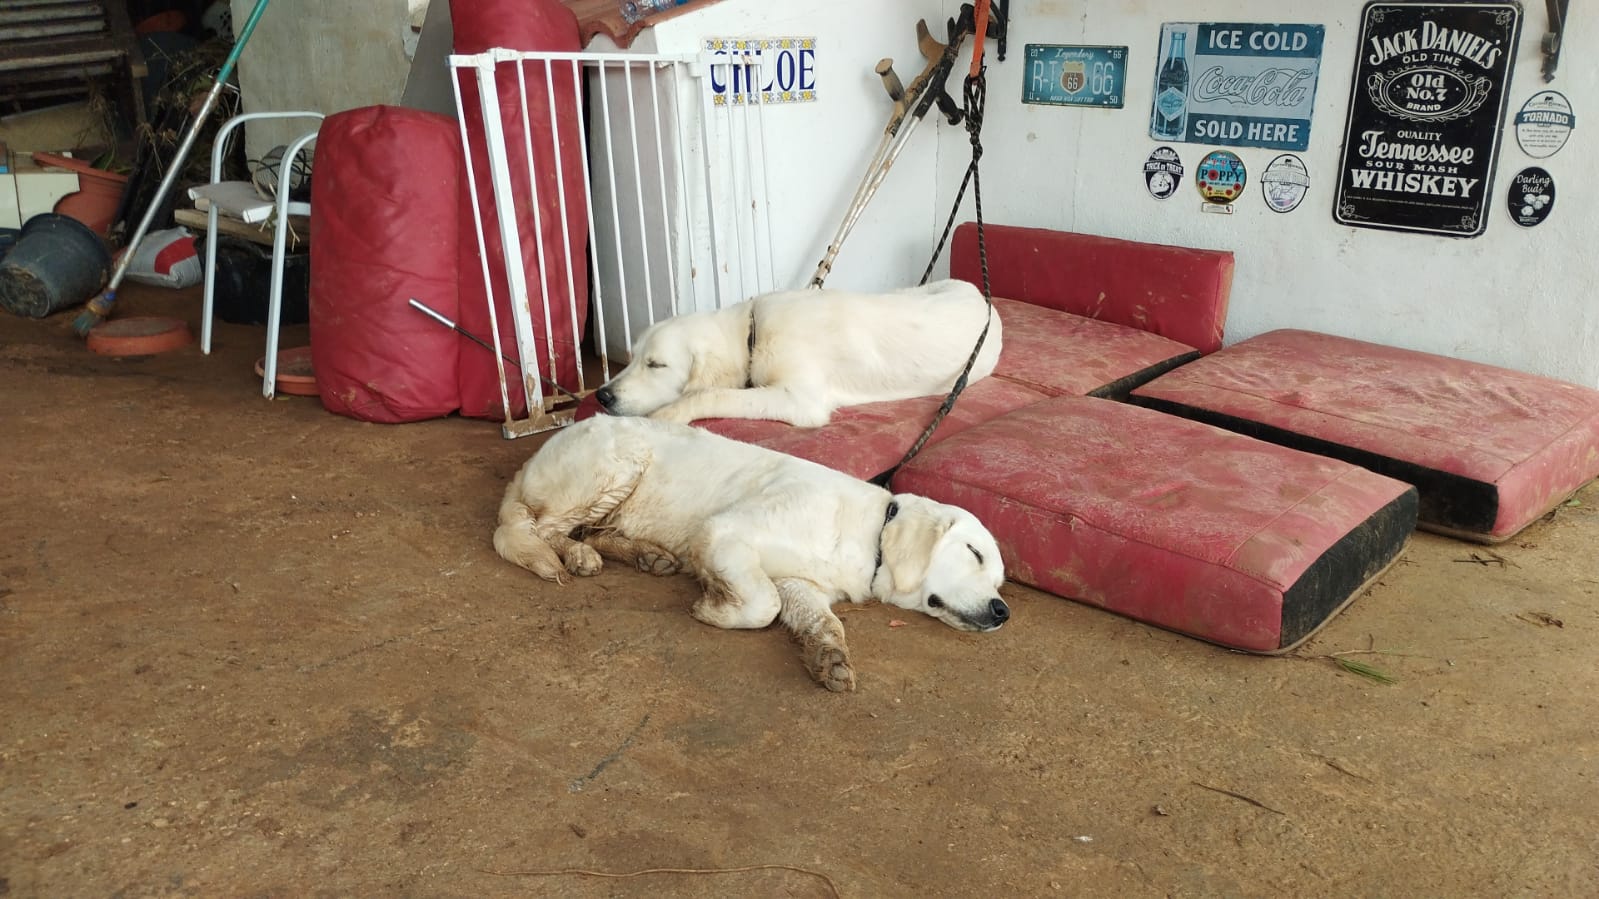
{"x":1532,"y":196}
{"x":1284,"y":183}
{"x":1544,"y":123}
{"x":1221,"y":177}
{"x":1163,"y":171}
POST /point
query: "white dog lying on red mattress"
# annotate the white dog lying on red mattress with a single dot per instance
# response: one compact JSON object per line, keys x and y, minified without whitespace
{"x":769,"y":536}
{"x":797,"y":355}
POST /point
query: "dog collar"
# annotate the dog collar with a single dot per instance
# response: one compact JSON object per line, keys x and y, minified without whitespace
{"x":749,"y":367}
{"x":893,"y":509}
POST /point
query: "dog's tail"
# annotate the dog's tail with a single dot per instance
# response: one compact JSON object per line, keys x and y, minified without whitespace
{"x":517,"y":538}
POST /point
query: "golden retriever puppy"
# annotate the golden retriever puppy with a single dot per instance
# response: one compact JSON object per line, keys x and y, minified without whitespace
{"x":769,"y":536}
{"x":797,"y":355}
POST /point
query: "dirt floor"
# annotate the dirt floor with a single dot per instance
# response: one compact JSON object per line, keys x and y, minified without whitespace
{"x":249,"y":648}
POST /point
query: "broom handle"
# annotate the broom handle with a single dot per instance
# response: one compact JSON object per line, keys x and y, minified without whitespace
{"x":243,"y":38}
{"x":183,"y":149}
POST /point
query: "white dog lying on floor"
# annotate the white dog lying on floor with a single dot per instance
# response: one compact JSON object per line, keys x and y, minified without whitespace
{"x":769,"y":536}
{"x":797,"y":355}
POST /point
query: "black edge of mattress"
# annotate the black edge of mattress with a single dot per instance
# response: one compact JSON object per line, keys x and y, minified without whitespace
{"x":1121,"y":387}
{"x":1356,"y":558}
{"x":1447,"y":500}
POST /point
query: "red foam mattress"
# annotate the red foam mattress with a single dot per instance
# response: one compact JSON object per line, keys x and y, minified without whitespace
{"x":1183,"y":525}
{"x":1491,"y":450}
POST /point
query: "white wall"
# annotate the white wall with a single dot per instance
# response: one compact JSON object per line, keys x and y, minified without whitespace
{"x":1520,"y":298}
{"x":818,"y":151}
{"x":321,"y":56}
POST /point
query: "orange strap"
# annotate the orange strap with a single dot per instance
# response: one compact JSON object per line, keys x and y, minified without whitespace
{"x":981,"y":23}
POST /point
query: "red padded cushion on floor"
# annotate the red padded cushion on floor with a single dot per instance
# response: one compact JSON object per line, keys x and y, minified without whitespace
{"x":1491,"y":449}
{"x":1176,"y":292}
{"x":1057,"y":353}
{"x":1183,"y":525}
{"x":866,"y":440}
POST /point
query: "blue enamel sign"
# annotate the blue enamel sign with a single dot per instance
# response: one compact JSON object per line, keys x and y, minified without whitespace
{"x":1238,"y":85}
{"x":1073,"y":75}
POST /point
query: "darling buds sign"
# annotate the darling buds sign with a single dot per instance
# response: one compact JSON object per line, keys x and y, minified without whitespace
{"x":1425,"y":111}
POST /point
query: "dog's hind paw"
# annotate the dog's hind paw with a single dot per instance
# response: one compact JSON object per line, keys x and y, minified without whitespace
{"x":583,"y":561}
{"x":656,"y":560}
{"x":830,"y":666}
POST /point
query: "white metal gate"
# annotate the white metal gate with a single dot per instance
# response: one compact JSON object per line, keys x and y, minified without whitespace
{"x":674,"y":182}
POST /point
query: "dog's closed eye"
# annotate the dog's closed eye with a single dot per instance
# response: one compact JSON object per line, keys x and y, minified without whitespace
{"x":654,"y":363}
{"x":975,"y":553}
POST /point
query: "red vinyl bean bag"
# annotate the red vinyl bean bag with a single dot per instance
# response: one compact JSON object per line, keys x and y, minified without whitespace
{"x":384,"y":229}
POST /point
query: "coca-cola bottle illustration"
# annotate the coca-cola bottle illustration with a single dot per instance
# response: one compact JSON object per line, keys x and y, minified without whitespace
{"x":1171,"y":90}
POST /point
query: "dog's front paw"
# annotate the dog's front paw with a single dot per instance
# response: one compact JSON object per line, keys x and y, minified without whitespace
{"x":656,"y":560}
{"x":830,"y":666}
{"x":583,"y":561}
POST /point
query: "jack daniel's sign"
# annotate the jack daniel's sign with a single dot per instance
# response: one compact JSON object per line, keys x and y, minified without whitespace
{"x":1425,"y":115}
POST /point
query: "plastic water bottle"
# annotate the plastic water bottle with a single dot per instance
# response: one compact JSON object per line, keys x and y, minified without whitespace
{"x":634,"y":10}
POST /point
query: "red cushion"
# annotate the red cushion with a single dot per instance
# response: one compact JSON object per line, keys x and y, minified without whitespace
{"x":1175,"y":292}
{"x":1183,"y":525}
{"x":867,"y":440}
{"x":1059,"y":353}
{"x":1490,"y":449}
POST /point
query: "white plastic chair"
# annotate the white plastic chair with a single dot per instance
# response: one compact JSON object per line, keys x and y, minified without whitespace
{"x":280,"y":236}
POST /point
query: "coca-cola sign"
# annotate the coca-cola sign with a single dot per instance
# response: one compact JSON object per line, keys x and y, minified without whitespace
{"x":1236,"y":84}
{"x":1426,"y":111}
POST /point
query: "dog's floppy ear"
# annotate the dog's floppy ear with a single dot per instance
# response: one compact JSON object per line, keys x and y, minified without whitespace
{"x":908,"y":543}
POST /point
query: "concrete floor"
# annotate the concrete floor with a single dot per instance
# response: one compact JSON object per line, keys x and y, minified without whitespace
{"x":249,"y":648}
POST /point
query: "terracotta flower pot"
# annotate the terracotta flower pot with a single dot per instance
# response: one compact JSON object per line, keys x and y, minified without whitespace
{"x":98,"y":195}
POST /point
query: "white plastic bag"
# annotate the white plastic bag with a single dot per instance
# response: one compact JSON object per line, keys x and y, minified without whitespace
{"x":166,"y":259}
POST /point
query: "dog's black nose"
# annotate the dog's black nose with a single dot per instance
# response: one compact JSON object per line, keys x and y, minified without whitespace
{"x":606,"y":396}
{"x":1000,"y":611}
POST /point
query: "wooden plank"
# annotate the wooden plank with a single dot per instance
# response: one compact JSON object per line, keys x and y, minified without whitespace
{"x":11,"y":16}
{"x":29,"y":4}
{"x":66,"y":51}
{"x":29,"y":32}
{"x":299,"y":237}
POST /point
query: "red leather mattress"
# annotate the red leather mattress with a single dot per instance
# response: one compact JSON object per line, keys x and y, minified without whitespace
{"x":1179,"y":293}
{"x":1491,"y":450}
{"x":1183,"y":525}
{"x":866,"y":440}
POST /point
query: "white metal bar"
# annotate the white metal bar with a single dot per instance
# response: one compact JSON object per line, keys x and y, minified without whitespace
{"x":710,"y":194}
{"x":686,"y":195}
{"x":595,"y":286}
{"x":529,"y":353}
{"x":482,"y":240}
{"x":638,"y":196}
{"x":473,"y":60}
{"x":736,"y":108}
{"x":280,"y":240}
{"x":510,"y":237}
{"x":766,"y":193}
{"x":660,"y":166}
{"x":566,"y":231}
{"x":616,"y":216}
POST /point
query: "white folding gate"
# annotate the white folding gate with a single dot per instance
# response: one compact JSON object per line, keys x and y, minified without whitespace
{"x":674,"y":183}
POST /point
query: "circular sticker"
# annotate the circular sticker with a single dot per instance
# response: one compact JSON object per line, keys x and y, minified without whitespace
{"x":1284,"y":183}
{"x":1163,"y":171}
{"x":1544,"y":123}
{"x":1532,"y":196}
{"x":1221,"y":177}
